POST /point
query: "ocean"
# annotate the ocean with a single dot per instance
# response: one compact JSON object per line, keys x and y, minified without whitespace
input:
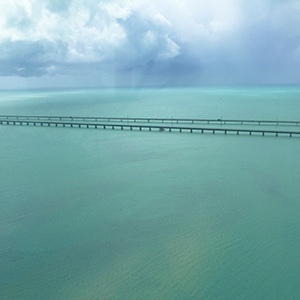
{"x":111,"y":214}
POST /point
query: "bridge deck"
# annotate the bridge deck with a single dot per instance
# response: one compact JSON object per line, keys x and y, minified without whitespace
{"x":154,"y":120}
{"x":42,"y":121}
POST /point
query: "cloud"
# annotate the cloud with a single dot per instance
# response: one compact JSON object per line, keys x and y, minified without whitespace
{"x":151,"y":41}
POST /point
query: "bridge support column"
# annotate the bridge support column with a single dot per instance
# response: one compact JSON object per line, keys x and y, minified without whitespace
{"x":149,"y":128}
{"x":290,"y":135}
{"x":130,"y":128}
{"x":202,"y":131}
{"x":169,"y":129}
{"x":191,"y":130}
{"x":237,"y":132}
{"x":225,"y":132}
{"x":276,"y":133}
{"x":213,"y":132}
{"x":249,"y":132}
{"x":180,"y":130}
{"x":103,"y":126}
{"x":263,"y":133}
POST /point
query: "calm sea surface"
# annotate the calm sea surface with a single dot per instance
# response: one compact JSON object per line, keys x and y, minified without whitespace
{"x":111,"y":214}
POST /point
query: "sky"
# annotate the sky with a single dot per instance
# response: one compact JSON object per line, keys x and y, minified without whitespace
{"x":112,"y":43}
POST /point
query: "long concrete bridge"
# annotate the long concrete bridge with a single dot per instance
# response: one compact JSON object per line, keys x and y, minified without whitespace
{"x":154,"y":120}
{"x":168,"y":124}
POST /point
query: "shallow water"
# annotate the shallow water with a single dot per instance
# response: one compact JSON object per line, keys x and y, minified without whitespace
{"x":103,"y":214}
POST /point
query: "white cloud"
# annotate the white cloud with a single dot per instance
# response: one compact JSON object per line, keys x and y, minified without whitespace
{"x":39,"y":37}
{"x":82,"y":33}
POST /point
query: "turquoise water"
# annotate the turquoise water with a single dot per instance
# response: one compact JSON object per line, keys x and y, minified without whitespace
{"x":103,"y":214}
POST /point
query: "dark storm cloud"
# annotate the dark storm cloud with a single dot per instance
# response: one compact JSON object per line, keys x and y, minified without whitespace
{"x":140,"y":42}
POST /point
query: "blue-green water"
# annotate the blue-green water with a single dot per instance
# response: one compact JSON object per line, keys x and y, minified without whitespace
{"x":111,"y":214}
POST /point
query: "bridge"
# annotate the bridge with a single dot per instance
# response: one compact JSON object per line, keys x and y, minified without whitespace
{"x":159,"y":124}
{"x":153,"y":120}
